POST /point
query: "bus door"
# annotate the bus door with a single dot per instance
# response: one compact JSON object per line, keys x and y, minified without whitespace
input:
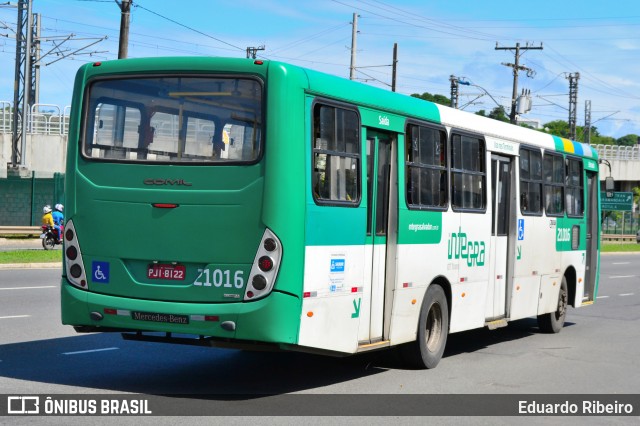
{"x":592,"y":237}
{"x":381,"y":151}
{"x":501,"y":170}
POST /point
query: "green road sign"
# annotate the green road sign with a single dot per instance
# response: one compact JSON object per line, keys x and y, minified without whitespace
{"x":621,"y":201}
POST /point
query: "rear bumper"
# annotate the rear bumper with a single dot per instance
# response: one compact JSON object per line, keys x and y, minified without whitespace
{"x":274,"y":319}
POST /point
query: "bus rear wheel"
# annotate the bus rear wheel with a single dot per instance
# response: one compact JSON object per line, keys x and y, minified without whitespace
{"x":433,"y":328}
{"x":554,"y":321}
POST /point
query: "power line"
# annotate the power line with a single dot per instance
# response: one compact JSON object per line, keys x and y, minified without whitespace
{"x":590,"y":76}
{"x":187,"y":27}
{"x":485,"y":38}
{"x":309,"y":38}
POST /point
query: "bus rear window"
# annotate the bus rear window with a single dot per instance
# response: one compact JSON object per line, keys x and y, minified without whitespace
{"x":174,"y":120}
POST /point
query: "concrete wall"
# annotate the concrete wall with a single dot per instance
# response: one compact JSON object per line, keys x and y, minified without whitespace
{"x":622,"y":170}
{"x":23,"y":192}
{"x":45,"y":154}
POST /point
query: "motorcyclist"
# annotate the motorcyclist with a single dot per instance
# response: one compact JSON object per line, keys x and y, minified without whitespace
{"x":47,"y":218}
{"x":58,"y":219}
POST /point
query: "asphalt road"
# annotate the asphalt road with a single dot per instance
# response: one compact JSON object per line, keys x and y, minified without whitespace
{"x":596,"y":352}
{"x":10,"y":244}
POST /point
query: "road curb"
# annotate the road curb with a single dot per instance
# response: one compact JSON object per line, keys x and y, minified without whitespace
{"x":48,"y":265}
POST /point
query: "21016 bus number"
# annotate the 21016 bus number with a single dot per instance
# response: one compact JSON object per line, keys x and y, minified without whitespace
{"x":220,"y":278}
{"x":563,"y":234}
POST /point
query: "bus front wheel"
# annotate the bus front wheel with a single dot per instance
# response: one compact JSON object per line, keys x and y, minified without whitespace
{"x":433,"y":328}
{"x":554,"y":321}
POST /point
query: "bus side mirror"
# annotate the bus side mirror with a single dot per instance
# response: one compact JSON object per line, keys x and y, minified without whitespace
{"x":609,"y":184}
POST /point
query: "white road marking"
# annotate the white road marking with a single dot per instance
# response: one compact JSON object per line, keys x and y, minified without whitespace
{"x":621,"y":276}
{"x":602,"y":297}
{"x":89,"y":351}
{"x":621,"y":263}
{"x":15,"y":316}
{"x":626,"y":294}
{"x":27,"y":288}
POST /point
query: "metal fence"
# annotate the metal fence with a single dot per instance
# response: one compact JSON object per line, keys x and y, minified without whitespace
{"x":22,"y":199}
{"x":618,"y":152}
{"x":43,"y":119}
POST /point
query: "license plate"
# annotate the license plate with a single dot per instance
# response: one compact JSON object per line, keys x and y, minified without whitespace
{"x":160,"y":271}
{"x":159,"y":317}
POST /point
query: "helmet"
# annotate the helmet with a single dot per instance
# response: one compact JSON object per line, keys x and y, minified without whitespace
{"x":59,"y":207}
{"x":46,"y":209}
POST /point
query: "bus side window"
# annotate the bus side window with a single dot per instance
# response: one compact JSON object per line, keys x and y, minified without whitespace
{"x":553,"y":168}
{"x":336,"y":155}
{"x":468,"y":174}
{"x":574,"y":187}
{"x":530,"y":181}
{"x":426,"y":167}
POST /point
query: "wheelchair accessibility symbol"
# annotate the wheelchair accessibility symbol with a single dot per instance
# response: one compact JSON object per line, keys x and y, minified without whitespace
{"x":100,"y":272}
{"x":520,"y":229}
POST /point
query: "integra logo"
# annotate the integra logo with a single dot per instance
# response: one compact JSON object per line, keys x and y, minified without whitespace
{"x":170,"y":182}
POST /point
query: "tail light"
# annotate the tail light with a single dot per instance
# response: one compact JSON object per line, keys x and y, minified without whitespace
{"x":265,"y":267}
{"x":73,"y":257}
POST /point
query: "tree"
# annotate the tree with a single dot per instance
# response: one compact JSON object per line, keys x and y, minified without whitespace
{"x":628,"y":140}
{"x":602,"y":140}
{"x":498,"y":113}
{"x":558,"y":128}
{"x":438,"y":99}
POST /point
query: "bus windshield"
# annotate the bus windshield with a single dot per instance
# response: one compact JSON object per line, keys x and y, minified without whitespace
{"x":174,"y":119}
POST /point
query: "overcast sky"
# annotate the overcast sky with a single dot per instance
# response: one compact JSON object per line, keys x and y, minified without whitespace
{"x":436,"y":39}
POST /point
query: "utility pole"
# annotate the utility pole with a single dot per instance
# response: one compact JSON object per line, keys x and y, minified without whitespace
{"x":455,"y":89}
{"x":517,"y":67}
{"x":22,"y":79}
{"x":587,"y":122}
{"x":34,"y":88}
{"x":354,"y":33}
{"x":395,"y":67}
{"x":573,"y":103}
{"x":123,"y":46}
{"x":252,"y":52}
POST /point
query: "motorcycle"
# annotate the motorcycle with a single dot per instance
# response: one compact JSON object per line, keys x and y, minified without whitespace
{"x":50,"y":237}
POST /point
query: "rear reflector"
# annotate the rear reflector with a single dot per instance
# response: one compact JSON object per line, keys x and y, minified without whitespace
{"x":164,"y":205}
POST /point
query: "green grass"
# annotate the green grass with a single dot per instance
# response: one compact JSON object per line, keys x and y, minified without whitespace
{"x":31,"y":256}
{"x":614,"y":247}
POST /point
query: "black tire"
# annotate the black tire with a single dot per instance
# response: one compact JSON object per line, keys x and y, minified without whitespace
{"x":554,"y":321}
{"x":433,"y":328}
{"x":48,"y":243}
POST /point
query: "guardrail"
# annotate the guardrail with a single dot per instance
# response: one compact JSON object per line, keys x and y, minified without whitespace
{"x":618,"y":152}
{"x":20,"y":230}
{"x":619,"y":237}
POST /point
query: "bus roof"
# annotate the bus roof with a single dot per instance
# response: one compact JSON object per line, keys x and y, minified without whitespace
{"x":342,"y":89}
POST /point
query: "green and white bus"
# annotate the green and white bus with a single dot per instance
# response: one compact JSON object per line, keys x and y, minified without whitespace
{"x":255,"y":204}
